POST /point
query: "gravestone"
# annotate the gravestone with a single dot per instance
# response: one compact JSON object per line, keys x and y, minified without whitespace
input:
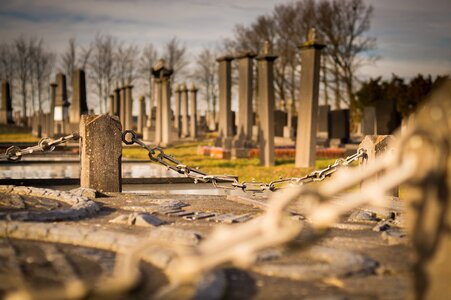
{"x":288,"y":129}
{"x":184,"y":110}
{"x":141,"y":115}
{"x":128,"y":107}
{"x":51,"y":125}
{"x":225,"y":102}
{"x":117,"y":102}
{"x":101,"y":153}
{"x":178,"y":96}
{"x":163,"y":128}
{"x":387,"y":117}
{"x":61,"y":116}
{"x":193,"y":111}
{"x":323,"y":120}
{"x":280,"y":121}
{"x":79,"y":105}
{"x":111,"y":104}
{"x":266,"y":106}
{"x":6,"y":110}
{"x":369,"y":121}
{"x":339,"y":125}
{"x":308,"y":105}
{"x":123,"y":106}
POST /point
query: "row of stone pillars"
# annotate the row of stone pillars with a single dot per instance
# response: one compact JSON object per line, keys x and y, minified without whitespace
{"x":121,"y":105}
{"x":186,"y":109}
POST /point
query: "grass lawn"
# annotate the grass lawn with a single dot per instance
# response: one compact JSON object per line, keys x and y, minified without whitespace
{"x":11,"y":133}
{"x":245,"y":169}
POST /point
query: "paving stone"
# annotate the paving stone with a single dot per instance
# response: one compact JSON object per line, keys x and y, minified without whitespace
{"x":146,"y":220}
{"x":199,"y":216}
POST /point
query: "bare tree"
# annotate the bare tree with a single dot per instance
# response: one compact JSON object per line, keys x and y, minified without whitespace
{"x":176,"y":56}
{"x":147,"y":60}
{"x":205,"y":73}
{"x":42,"y":61}
{"x":125,"y":58}
{"x":101,"y":65}
{"x":23,"y":71}
{"x":68,"y":62}
{"x":7,"y":62}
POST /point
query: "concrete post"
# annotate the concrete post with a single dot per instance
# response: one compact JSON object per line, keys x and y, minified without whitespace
{"x":101,"y":153}
{"x":193,"y":111}
{"x":79,"y":105}
{"x":266,"y":106}
{"x":184,"y":110}
{"x":123,"y":105}
{"x":308,"y":105}
{"x":141,"y":115}
{"x":178,"y":95}
{"x":128,"y":107}
{"x":6,"y":111}
{"x":245,"y":92}
{"x":225,"y":96}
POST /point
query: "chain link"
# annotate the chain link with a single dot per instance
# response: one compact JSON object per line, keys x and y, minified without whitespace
{"x":14,"y":153}
{"x":156,"y":154}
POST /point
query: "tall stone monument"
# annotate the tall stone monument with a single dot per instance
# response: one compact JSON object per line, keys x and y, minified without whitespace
{"x":225,"y":101}
{"x":123,"y":106}
{"x":163,"y":130}
{"x":178,"y":95}
{"x":308,"y":105}
{"x":184,"y":110}
{"x":245,"y":93}
{"x":193,"y":111}
{"x":79,"y":105}
{"x":141,"y":115}
{"x":61,"y":115}
{"x":266,"y":105}
{"x":117,"y":102}
{"x":128,"y":107}
{"x":6,"y":109}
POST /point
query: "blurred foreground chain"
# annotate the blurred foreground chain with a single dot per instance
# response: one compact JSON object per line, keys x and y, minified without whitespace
{"x":157,"y":154}
{"x":14,"y":153}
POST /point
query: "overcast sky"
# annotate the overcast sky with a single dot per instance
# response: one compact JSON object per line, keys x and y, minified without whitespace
{"x":413,"y":36}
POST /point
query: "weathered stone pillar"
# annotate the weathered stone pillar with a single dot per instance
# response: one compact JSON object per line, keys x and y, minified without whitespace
{"x":111,"y":105}
{"x":123,"y":105}
{"x":193,"y":111}
{"x":101,"y":153}
{"x":61,"y":105}
{"x":117,"y":102}
{"x":225,"y":99}
{"x":128,"y":107}
{"x":6,"y":111}
{"x":163,"y":130}
{"x":245,"y":92}
{"x":375,"y":145}
{"x":141,"y":115}
{"x":51,"y":131}
{"x":266,"y":106}
{"x":178,"y":96}
{"x":184,"y":110}
{"x":79,"y":105}
{"x":308,"y":105}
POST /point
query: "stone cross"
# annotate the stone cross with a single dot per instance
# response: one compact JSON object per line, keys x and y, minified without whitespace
{"x":308,"y":105}
{"x":225,"y":97}
{"x":193,"y":111}
{"x":266,"y":106}
{"x":128,"y":107}
{"x":184,"y":110}
{"x":6,"y":110}
{"x":141,"y":115}
{"x":178,"y":95}
{"x":79,"y":105}
{"x":245,"y":92}
{"x":101,"y":153}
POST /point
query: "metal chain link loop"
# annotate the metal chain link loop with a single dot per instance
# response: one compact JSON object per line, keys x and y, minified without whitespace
{"x":156,"y":154}
{"x":14,"y":153}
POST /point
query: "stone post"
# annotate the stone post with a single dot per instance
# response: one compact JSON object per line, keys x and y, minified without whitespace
{"x":117,"y":102}
{"x":128,"y":107}
{"x":225,"y":101}
{"x":266,"y":106}
{"x":308,"y":105}
{"x":375,"y":145}
{"x":111,"y":105}
{"x":6,"y":111}
{"x":184,"y":110}
{"x":123,"y":106}
{"x":101,"y":153}
{"x":141,"y":115}
{"x":245,"y":92}
{"x":193,"y":111}
{"x":79,"y":105}
{"x":163,"y":130}
{"x":178,"y":96}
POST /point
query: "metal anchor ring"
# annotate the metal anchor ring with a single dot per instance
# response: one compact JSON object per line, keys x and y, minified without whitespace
{"x":128,"y":137}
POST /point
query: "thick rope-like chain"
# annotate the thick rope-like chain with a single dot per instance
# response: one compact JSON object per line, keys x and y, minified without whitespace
{"x":14,"y":153}
{"x":157,"y":154}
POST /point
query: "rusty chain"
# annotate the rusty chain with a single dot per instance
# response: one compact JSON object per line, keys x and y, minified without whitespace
{"x":14,"y":153}
{"x":157,"y":154}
